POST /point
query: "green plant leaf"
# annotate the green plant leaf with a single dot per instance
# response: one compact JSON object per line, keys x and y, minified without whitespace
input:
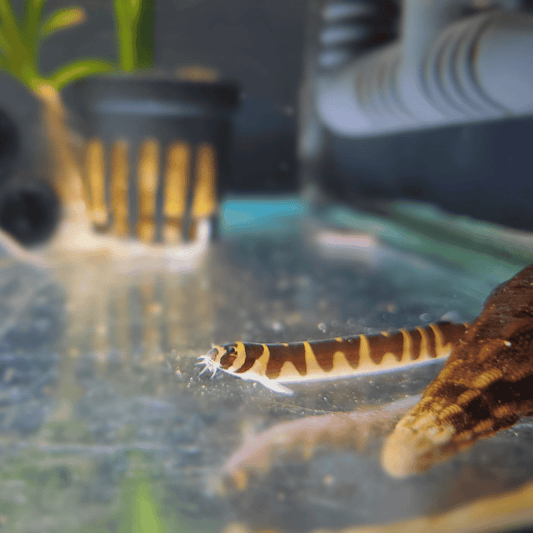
{"x":141,"y":512}
{"x":21,"y":60}
{"x":135,"y":28}
{"x":35,"y":6}
{"x":78,"y":69}
{"x":145,"y":35}
{"x":134,"y":6}
{"x":127,"y":11}
{"x":4,"y":43}
{"x":12,"y":33}
{"x":125,"y":34}
{"x":19,"y":42}
{"x":62,"y":19}
{"x":32,"y":18}
{"x":7,"y":16}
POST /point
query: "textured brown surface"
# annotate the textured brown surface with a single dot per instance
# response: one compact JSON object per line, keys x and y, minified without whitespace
{"x":485,"y":386}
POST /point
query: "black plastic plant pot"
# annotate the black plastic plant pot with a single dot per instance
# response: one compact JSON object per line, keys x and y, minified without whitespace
{"x":29,"y":209}
{"x":158,"y":152}
{"x":9,"y":146}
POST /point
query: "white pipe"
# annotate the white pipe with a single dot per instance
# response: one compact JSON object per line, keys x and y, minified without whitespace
{"x":504,"y":65}
{"x":478,"y":68}
{"x":421,"y":22}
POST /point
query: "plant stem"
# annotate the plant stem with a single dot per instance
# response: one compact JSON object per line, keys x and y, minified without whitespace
{"x":145,"y":41}
{"x":135,"y":28}
{"x":126,"y":27}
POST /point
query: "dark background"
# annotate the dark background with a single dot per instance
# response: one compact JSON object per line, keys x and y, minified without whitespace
{"x":256,"y":43}
{"x":482,"y":170}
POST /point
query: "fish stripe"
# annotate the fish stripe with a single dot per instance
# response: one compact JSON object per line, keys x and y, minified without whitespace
{"x":439,"y":339}
{"x":280,"y":354}
{"x":415,"y":339}
{"x":351,"y":351}
{"x":449,"y":333}
{"x":323,"y":352}
{"x":313,"y":368}
{"x":364,"y":351}
{"x":227,"y":360}
{"x":381,"y":345}
{"x":253,"y":352}
{"x":424,"y":344}
{"x":431,"y":342}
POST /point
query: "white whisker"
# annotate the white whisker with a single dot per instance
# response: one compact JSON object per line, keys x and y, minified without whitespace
{"x":205,"y":370}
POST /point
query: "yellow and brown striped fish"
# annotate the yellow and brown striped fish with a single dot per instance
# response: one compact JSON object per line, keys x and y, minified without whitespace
{"x":341,"y":357}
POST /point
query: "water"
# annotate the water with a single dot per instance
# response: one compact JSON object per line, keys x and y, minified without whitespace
{"x":105,"y":424}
